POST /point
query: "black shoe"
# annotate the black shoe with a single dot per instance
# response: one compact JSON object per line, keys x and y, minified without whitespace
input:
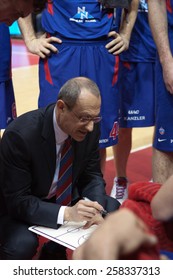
{"x":53,"y":251}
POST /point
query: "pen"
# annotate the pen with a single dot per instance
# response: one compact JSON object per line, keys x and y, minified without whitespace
{"x":102,"y":212}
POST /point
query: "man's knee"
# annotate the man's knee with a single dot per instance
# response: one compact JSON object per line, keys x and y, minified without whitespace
{"x":18,"y":243}
{"x":112,"y":204}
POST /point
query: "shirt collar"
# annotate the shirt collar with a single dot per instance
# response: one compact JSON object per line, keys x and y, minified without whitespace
{"x":60,"y":136}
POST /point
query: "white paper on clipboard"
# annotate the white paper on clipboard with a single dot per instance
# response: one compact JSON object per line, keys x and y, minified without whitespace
{"x":70,"y":235}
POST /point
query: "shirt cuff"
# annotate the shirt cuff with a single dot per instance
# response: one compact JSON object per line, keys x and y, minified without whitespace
{"x":60,"y":218}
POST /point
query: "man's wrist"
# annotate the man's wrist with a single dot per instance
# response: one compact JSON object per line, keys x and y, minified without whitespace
{"x":67,"y":214}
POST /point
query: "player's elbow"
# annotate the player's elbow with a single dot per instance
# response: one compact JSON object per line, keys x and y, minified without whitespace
{"x":156,"y":212}
{"x":160,"y":212}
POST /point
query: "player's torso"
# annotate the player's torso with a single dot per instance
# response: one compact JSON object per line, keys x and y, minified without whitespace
{"x":77,"y":19}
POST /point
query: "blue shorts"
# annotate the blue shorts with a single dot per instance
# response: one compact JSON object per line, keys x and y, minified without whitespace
{"x":168,"y":254}
{"x":163,"y":139}
{"x":7,"y":104}
{"x":92,"y":60}
{"x":137,"y":97}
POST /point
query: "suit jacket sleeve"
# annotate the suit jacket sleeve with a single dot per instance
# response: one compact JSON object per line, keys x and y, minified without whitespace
{"x":26,"y":177}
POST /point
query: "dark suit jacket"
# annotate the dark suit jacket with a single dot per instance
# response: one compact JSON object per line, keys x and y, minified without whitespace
{"x":28,"y":152}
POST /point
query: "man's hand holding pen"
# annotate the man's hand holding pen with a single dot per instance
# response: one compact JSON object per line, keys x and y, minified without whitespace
{"x":85,"y":210}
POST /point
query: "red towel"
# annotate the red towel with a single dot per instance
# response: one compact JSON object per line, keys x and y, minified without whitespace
{"x":139,"y":198}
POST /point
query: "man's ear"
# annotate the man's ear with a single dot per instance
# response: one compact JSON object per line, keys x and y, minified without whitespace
{"x":60,"y":105}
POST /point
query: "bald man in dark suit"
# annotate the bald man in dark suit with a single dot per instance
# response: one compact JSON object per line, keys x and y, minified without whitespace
{"x":30,"y":152}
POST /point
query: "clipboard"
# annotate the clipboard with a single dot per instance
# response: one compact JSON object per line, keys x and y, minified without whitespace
{"x":70,"y":234}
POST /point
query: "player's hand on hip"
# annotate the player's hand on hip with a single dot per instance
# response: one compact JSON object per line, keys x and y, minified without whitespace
{"x":43,"y":46}
{"x":117,"y":44}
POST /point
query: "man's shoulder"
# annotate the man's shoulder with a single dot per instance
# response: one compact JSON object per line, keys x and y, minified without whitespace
{"x":31,"y":124}
{"x":31,"y":117}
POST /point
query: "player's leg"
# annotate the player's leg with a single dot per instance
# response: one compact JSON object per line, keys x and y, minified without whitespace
{"x":163,"y":136}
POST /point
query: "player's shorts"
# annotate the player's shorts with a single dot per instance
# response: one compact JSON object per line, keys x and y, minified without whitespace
{"x":163,"y":139}
{"x":137,"y":96}
{"x":92,"y":60}
{"x":7,"y":103}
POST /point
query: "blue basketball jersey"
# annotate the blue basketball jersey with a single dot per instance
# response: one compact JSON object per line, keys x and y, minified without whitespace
{"x":5,"y":53}
{"x":81,"y":20}
{"x":7,"y":102}
{"x":142,"y":47}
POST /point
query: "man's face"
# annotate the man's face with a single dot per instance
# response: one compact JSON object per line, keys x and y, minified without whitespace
{"x":11,"y":10}
{"x":74,"y":122}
